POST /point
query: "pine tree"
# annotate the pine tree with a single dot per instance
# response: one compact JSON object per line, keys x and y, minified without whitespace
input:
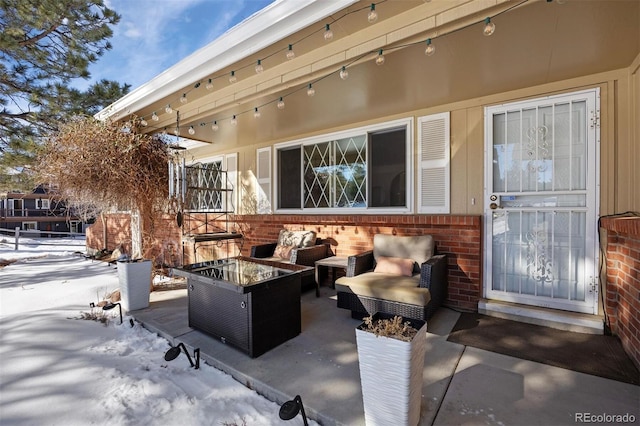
{"x":44,"y":46}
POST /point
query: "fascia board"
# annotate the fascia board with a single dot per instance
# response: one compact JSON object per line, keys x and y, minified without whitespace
{"x":267,"y":26}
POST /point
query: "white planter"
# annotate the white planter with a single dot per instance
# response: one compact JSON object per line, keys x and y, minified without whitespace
{"x":135,"y":284}
{"x":391,"y":376}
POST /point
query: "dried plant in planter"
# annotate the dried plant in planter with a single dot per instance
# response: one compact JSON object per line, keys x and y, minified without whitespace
{"x":390,"y":327}
{"x":101,"y":166}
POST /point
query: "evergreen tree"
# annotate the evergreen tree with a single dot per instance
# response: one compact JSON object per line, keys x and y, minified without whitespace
{"x":44,"y":46}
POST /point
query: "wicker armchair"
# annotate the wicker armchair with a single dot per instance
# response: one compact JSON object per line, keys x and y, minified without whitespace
{"x":301,"y":259}
{"x":415,"y":297}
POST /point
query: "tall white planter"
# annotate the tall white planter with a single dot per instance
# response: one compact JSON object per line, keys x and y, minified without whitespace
{"x":391,"y":375}
{"x":135,"y":284}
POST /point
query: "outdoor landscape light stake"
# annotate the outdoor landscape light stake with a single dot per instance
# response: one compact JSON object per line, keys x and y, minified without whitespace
{"x":110,"y":306}
{"x":290,"y":409}
{"x":174,"y":351}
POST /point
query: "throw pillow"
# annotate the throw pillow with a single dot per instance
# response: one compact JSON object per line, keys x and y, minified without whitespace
{"x":395,"y":266}
{"x":283,"y":252}
{"x":307,"y":238}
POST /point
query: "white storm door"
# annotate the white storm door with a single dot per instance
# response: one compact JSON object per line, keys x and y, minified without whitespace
{"x":541,"y":202}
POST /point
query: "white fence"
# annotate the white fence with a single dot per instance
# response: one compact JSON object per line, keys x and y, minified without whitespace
{"x":35,"y":238}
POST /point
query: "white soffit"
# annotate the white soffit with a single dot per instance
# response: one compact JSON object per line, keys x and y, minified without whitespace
{"x":267,"y":26}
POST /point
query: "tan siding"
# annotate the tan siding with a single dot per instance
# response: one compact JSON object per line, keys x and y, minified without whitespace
{"x":475,"y":163}
{"x":619,"y":152}
{"x":459,"y":161}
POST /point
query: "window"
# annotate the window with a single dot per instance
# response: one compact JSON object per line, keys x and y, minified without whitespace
{"x":209,"y":185}
{"x":204,"y":183}
{"x":42,"y":203}
{"x":29,"y":226}
{"x":367,"y":169}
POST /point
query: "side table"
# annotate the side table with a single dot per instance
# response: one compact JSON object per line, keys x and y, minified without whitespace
{"x":322,"y":269}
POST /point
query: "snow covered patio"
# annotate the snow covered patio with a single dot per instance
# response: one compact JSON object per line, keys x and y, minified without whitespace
{"x":58,"y":370}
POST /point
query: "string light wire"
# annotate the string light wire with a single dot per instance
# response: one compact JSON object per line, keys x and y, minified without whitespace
{"x":374,"y":54}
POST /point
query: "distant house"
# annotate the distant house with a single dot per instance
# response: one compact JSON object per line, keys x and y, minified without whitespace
{"x":40,"y":212}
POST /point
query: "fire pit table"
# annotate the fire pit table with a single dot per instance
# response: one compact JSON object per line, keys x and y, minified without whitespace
{"x":251,"y":306}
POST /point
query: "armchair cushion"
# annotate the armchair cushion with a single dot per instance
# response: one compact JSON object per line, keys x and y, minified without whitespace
{"x":395,"y":266}
{"x":384,"y":286}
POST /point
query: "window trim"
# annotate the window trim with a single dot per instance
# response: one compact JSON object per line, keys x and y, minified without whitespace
{"x":407,"y":122}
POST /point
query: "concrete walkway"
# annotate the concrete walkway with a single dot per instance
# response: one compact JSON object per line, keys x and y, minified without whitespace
{"x":462,"y":385}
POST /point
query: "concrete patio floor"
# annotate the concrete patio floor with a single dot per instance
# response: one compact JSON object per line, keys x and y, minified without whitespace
{"x":462,"y":385}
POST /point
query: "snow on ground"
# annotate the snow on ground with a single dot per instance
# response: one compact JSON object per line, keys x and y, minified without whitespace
{"x":57,"y":369}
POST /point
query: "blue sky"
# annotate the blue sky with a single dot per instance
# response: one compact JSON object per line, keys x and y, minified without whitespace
{"x":155,"y":34}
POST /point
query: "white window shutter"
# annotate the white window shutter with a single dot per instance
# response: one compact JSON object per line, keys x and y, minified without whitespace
{"x":263,"y":175}
{"x":434,"y":164}
{"x":231,"y":197}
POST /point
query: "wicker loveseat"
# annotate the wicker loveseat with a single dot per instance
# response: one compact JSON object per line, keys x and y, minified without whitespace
{"x":297,"y":250}
{"x":400,"y":276}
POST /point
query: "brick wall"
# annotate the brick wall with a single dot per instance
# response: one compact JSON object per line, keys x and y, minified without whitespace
{"x":622,"y":302}
{"x":165,"y":248}
{"x":116,"y":232}
{"x":459,"y":237}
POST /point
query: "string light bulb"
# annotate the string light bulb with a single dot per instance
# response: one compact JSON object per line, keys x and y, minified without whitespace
{"x":344,"y":74}
{"x":192,"y":131}
{"x":373,"y":15}
{"x":328,"y":34}
{"x":489,"y":27}
{"x":431,"y":49}
{"x":310,"y":90}
{"x":183,"y":99}
{"x":259,"y":67}
{"x":215,"y":126}
{"x":380,"y":58}
{"x":281,"y":103}
{"x":168,"y":109}
{"x":290,"y":53}
{"x":256,"y":113}
{"x":143,"y":123}
{"x":234,"y":121}
{"x":154,"y":116}
{"x":209,"y":85}
{"x":232,"y":77}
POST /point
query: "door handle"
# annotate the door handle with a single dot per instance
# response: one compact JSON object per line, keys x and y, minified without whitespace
{"x":493,"y":206}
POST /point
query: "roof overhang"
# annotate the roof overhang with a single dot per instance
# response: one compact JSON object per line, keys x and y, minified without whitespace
{"x":536,"y":43}
{"x":267,"y":26}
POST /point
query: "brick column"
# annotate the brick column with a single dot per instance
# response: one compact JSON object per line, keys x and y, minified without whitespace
{"x":622,"y":291}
